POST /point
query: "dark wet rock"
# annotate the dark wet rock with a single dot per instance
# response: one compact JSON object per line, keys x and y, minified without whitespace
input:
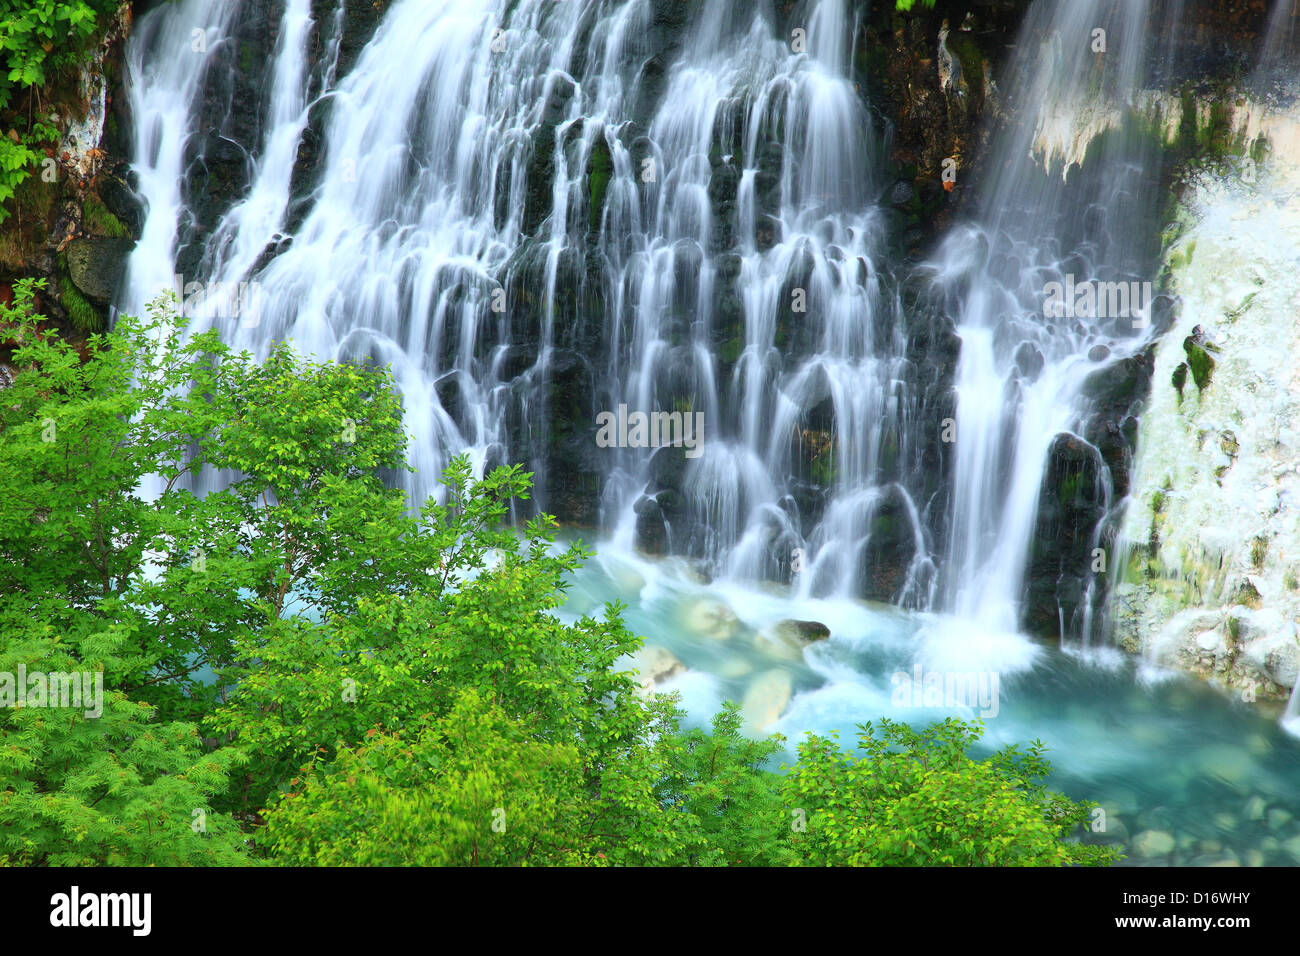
{"x":803,"y":632}
{"x":1029,"y":360}
{"x":559,"y":94}
{"x":541,"y":173}
{"x":651,"y":527}
{"x":903,"y":196}
{"x":574,"y":472}
{"x":1071,"y":505}
{"x":890,"y":549}
{"x":360,"y":20}
{"x":121,"y":200}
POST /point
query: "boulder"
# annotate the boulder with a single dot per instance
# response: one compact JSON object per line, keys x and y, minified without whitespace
{"x":1278,"y":658}
{"x":803,"y":632}
{"x":96,"y":265}
{"x":654,"y":665}
{"x":710,"y":618}
{"x":766,"y":700}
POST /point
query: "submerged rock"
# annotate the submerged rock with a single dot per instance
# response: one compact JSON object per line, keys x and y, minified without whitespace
{"x":1151,"y":843}
{"x":766,"y":700}
{"x":804,"y":632}
{"x":775,"y":643}
{"x":655,"y":665}
{"x":710,"y":618}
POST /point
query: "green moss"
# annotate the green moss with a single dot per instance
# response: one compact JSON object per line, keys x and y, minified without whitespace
{"x":1070,"y":489}
{"x":1258,"y":551}
{"x":599,"y":169}
{"x":1199,"y":362}
{"x":1137,"y":568}
{"x":1179,"y":379}
{"x":970,"y":57}
{"x":85,"y":317}
{"x":824,"y":471}
{"x":1158,"y":503}
{"x":99,"y":221}
{"x":1179,"y":260}
{"x":1234,"y":314}
{"x":1248,"y":595}
{"x":731,"y":350}
{"x":1260,"y":149}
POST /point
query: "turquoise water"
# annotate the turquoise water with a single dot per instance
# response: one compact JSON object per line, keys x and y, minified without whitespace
{"x":1186,"y":775}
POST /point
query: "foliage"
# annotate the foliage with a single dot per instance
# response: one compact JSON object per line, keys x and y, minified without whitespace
{"x":719,"y":780}
{"x":474,"y":626}
{"x":473,"y":787}
{"x":377,"y":685}
{"x":38,"y":38}
{"x":915,"y":798}
{"x":118,"y":789}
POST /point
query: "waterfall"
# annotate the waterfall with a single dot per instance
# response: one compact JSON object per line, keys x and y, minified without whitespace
{"x":554,"y":213}
{"x":167,"y":61}
{"x":1064,"y":205}
{"x":554,"y":210}
{"x":1279,"y":47}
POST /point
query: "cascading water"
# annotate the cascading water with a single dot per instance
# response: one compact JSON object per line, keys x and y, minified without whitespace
{"x":1046,"y":214}
{"x":531,"y":214}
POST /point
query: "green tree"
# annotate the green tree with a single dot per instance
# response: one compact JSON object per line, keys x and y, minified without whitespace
{"x":915,"y":798}
{"x":482,"y":624}
{"x":473,"y":788}
{"x":116,"y":788}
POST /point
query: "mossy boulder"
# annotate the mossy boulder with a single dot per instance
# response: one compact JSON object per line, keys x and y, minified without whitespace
{"x":96,"y":266}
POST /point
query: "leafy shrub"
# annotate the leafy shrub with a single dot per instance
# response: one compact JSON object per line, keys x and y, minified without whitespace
{"x":915,"y":798}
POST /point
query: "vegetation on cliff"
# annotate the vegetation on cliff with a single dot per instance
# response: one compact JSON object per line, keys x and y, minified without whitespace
{"x":41,"y":42}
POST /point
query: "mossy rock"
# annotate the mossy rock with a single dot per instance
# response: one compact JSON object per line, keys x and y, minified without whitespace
{"x":1199,"y":362}
{"x":96,"y":265}
{"x":1179,"y":379}
{"x":84,"y":315}
{"x":600,"y":167}
{"x":99,"y":221}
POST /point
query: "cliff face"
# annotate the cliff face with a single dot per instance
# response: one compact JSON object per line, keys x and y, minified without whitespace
{"x":74,"y":220}
{"x":1213,"y":581}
